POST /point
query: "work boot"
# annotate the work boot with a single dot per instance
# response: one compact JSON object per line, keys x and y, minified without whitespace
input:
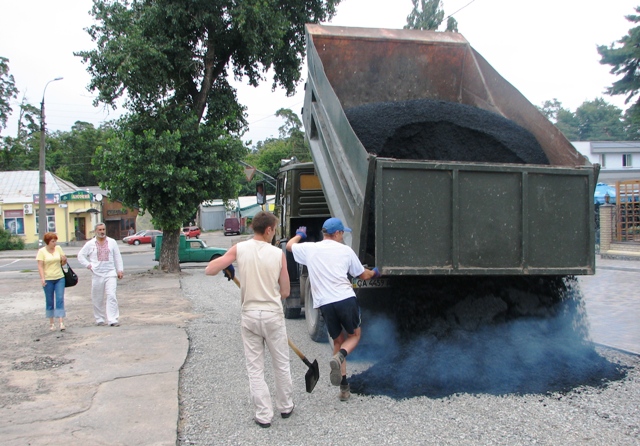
{"x":336,"y":373}
{"x":345,"y":392}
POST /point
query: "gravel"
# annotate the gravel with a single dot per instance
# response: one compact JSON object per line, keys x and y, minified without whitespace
{"x":215,"y":406}
{"x":440,"y":130}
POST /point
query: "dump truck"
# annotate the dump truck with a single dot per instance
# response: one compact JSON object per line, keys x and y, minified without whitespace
{"x":496,"y":210}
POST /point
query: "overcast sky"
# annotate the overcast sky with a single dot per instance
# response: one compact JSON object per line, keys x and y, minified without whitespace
{"x":545,"y":48}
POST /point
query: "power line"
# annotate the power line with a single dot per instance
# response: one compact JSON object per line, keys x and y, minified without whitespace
{"x":451,"y":15}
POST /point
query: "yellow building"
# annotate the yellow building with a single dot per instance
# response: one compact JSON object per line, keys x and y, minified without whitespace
{"x":71,"y":212}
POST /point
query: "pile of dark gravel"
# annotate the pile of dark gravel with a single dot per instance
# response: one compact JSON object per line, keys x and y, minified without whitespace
{"x":444,"y":131}
{"x":424,"y":129}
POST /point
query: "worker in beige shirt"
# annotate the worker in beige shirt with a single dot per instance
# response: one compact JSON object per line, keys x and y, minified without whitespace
{"x":262,"y":269}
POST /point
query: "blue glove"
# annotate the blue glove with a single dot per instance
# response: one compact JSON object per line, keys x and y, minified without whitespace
{"x":302,"y":232}
{"x":376,"y":272}
{"x":229,"y":272}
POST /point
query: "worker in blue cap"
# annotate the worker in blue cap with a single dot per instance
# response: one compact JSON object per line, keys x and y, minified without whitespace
{"x":328,"y":262}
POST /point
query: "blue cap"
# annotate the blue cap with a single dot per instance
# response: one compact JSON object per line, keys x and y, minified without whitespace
{"x":334,"y":224}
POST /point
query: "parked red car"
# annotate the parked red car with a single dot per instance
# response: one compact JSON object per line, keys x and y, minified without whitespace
{"x":191,"y":231}
{"x":144,"y":236}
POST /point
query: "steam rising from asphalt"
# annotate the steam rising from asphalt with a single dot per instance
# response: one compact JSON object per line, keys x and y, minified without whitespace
{"x":531,"y":354}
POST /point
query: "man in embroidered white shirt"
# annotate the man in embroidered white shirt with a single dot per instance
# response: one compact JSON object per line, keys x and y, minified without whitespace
{"x":102,"y":257}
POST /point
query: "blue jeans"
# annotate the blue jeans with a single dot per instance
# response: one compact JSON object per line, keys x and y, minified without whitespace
{"x":54,"y":287}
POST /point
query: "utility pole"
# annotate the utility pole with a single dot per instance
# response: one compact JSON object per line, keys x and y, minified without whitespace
{"x":42,"y":197}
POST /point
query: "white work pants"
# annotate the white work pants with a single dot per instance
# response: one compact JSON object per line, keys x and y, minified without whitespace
{"x":260,"y":328}
{"x":104,"y":289}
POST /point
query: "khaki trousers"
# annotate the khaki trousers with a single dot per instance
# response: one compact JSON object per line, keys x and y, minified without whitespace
{"x":260,"y":328}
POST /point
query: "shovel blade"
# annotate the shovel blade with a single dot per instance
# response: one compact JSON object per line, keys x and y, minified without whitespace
{"x":312,"y":376}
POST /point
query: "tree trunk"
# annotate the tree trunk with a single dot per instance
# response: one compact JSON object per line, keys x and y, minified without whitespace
{"x":169,"y":261}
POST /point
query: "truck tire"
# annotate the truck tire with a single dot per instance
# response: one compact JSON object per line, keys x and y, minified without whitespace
{"x":315,"y":322}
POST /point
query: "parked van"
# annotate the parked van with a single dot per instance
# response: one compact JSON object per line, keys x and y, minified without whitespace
{"x":231,"y":226}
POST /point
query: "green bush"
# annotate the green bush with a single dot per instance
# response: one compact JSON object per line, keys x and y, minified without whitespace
{"x":9,"y":242}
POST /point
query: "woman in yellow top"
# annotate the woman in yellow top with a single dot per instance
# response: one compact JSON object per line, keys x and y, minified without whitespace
{"x":50,"y":260}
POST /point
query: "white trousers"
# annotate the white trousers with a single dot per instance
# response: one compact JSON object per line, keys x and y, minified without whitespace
{"x":260,"y":328}
{"x":104,"y":289}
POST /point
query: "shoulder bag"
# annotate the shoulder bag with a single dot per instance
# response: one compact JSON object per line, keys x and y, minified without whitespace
{"x":70,"y":278}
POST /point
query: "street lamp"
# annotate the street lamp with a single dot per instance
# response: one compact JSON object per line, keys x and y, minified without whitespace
{"x":42,"y":198}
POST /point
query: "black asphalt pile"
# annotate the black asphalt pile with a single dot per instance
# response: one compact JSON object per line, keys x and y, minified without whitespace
{"x":423,"y":129}
{"x":443,"y":131}
{"x":493,"y":335}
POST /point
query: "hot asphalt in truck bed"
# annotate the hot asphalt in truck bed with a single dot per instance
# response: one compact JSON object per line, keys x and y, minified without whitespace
{"x":439,"y":130}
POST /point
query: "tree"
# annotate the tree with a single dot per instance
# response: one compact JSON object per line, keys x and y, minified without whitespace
{"x":21,"y":152}
{"x":72,"y":152}
{"x":169,"y":61}
{"x":8,"y":91}
{"x":625,"y":60}
{"x":293,"y":134}
{"x":428,"y":15}
{"x":600,"y":121}
{"x":594,"y":120}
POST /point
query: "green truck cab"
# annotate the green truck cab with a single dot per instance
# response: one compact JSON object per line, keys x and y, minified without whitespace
{"x":191,"y":250}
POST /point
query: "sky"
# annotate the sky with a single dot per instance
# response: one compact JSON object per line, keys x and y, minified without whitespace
{"x":544,"y":48}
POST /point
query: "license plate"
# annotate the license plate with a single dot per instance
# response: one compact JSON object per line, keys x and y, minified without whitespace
{"x":371,"y":283}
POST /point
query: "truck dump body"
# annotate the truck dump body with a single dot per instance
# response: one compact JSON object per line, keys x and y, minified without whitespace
{"x":434,"y":216}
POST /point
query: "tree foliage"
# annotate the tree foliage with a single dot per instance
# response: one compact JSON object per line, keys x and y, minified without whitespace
{"x":624,"y":57}
{"x":169,"y":60}
{"x":8,"y":91}
{"x":594,"y":120}
{"x":173,"y":185}
{"x":69,"y":154}
{"x":266,"y":155}
{"x":9,"y":241}
{"x":429,"y":15}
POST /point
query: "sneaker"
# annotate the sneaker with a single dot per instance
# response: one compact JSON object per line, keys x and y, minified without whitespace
{"x":263,"y":425}
{"x":287,"y":414}
{"x":100,"y":324}
{"x":115,"y":324}
{"x":336,"y":374}
{"x":345,"y":393}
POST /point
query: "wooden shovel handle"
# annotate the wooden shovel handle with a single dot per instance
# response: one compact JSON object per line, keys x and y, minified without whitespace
{"x":295,"y":349}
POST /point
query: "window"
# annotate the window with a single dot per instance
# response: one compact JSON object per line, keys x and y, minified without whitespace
{"x":309,"y":182}
{"x":127,"y":223}
{"x":603,"y":160}
{"x":14,"y":222}
{"x":51,"y":220}
{"x":626,"y":160}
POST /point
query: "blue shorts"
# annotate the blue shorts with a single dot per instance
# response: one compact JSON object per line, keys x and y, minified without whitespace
{"x":343,"y":314}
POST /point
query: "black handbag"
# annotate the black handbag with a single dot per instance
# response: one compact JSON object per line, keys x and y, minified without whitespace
{"x":70,"y":278}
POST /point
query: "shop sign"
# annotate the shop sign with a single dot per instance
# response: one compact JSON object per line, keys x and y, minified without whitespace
{"x":117,"y":212}
{"x":79,"y":195}
{"x":49,"y":198}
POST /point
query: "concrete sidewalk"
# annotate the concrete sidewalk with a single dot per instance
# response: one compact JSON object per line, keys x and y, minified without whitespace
{"x":90,"y":384}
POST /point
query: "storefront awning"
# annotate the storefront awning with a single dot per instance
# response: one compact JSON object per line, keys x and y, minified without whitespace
{"x":84,"y":211}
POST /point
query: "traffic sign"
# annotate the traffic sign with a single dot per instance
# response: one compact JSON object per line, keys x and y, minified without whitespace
{"x":249,"y":172}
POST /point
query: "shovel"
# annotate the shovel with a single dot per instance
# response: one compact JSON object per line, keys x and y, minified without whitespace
{"x":313,"y":374}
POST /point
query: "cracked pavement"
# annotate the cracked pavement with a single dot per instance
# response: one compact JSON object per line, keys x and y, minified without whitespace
{"x":89,"y":384}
